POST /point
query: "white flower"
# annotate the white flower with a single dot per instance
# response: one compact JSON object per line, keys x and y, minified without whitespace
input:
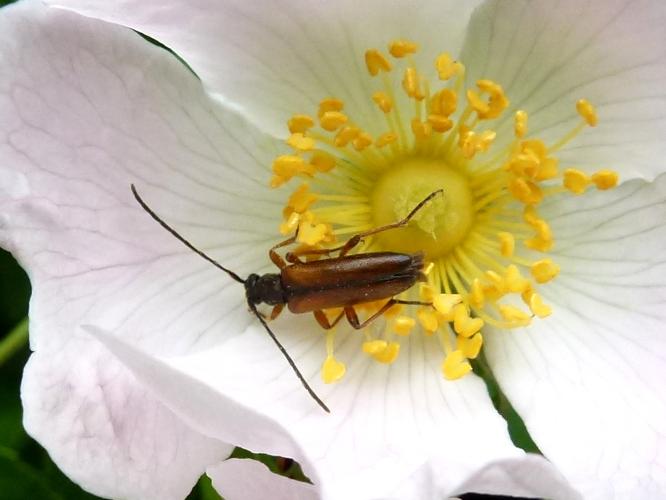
{"x":86,"y":108}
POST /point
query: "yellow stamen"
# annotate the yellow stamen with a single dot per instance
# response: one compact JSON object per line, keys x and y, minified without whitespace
{"x":544,"y":270}
{"x":605,"y":179}
{"x":447,"y":67}
{"x":587,"y":112}
{"x":468,"y":233}
{"x":402,"y":48}
{"x":332,"y":120}
{"x":455,"y":365}
{"x":301,"y":143}
{"x":576,"y":180}
{"x":376,"y":62}
{"x":300,"y":124}
{"x":470,"y":347}
{"x":403,"y":325}
{"x":520,"y":124}
{"x":383,"y":101}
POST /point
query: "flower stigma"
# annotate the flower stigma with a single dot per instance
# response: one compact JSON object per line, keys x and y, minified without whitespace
{"x":485,"y":242}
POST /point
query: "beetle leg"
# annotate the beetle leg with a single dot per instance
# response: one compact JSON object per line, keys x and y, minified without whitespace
{"x":323,"y":321}
{"x":276,"y":311}
{"x":275,"y":257}
{"x":356,"y":239}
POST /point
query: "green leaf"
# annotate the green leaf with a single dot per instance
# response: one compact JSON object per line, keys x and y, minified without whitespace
{"x":19,"y":481}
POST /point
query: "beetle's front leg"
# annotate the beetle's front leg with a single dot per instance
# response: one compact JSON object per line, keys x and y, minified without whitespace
{"x":275,"y":257}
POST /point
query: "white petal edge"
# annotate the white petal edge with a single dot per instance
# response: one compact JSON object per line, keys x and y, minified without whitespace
{"x":245,"y":479}
{"x":588,"y":381}
{"x":105,"y":431}
{"x":275,"y":59}
{"x":531,"y":476}
{"x":86,"y":109}
{"x":548,"y":54}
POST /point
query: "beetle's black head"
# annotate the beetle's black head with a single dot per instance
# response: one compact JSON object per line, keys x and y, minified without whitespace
{"x":266,"y":288}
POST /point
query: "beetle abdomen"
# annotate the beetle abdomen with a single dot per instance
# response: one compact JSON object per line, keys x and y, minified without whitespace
{"x":349,"y":280}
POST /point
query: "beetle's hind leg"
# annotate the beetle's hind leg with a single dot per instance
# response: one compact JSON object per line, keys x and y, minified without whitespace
{"x":323,"y":320}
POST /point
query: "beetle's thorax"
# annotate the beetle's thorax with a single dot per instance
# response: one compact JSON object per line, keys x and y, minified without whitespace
{"x":266,"y":288}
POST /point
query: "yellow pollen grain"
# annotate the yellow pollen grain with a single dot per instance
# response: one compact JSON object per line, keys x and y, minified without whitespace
{"x":300,"y":123}
{"x":345,"y":135}
{"x":537,"y":306}
{"x":440,"y":123}
{"x":403,"y":325}
{"x":301,"y":199}
{"x":290,"y":225}
{"x":605,"y":179}
{"x":544,"y":270}
{"x":520,"y":124}
{"x":514,"y":281}
{"x":444,"y":302}
{"x":389,"y":354}
{"x":362,"y":141}
{"x":300,"y":142}
{"x":447,"y":67}
{"x":515,"y":316}
{"x":455,"y":365}
{"x":322,"y":162}
{"x":444,"y":102}
{"x":576,"y":180}
{"x":587,"y":112}
{"x":427,"y":319}
{"x":332,"y":370}
{"x":463,"y":324}
{"x":401,"y":48}
{"x":329,"y":104}
{"x":332,"y":120}
{"x":383,"y":101}
{"x":311,"y":234}
{"x":420,"y":129}
{"x":507,"y":244}
{"x":376,"y":62}
{"x":374,"y":346}
{"x":470,"y":347}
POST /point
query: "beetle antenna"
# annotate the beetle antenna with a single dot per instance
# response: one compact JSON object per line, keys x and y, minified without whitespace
{"x":289,"y":360}
{"x":179,"y":237}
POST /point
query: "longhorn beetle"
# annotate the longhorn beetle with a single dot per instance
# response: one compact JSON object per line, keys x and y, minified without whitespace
{"x":342,"y":281}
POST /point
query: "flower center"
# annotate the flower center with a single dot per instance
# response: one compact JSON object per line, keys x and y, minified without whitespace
{"x":483,"y":236}
{"x":438,"y":227}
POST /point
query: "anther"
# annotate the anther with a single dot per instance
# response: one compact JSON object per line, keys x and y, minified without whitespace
{"x":383,"y":101}
{"x":520,"y":124}
{"x":470,"y":347}
{"x":576,"y":180}
{"x":300,"y":123}
{"x":605,"y":179}
{"x":544,"y":270}
{"x":587,"y":112}
{"x":402,"y":48}
{"x":455,"y":365}
{"x":332,"y":370}
{"x":376,"y":62}
{"x":447,"y":67}
{"x":507,"y":244}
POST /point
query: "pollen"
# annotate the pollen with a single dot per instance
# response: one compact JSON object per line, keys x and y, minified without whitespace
{"x":485,"y":238}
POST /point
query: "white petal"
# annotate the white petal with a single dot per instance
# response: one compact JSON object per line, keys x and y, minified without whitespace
{"x":237,"y":479}
{"x":105,"y":431}
{"x":385,"y":422}
{"x":549,"y":54}
{"x":530,"y":476}
{"x":588,"y":381}
{"x":87,"y":109}
{"x":278,"y":59}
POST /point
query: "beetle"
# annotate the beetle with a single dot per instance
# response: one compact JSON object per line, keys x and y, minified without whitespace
{"x":341,"y":281}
